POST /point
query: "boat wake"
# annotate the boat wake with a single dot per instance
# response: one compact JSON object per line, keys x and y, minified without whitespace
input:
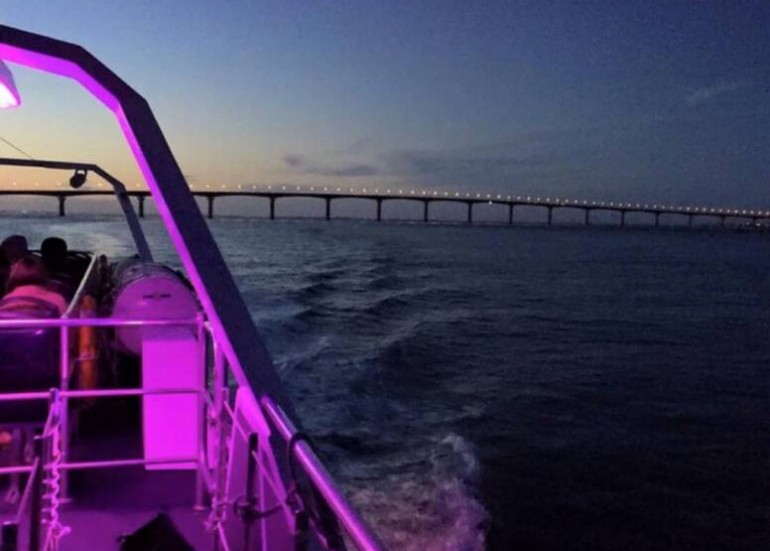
{"x":431,"y":509}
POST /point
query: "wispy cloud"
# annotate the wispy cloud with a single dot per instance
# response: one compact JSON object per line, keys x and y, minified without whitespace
{"x":343,"y":170}
{"x":709,"y":93}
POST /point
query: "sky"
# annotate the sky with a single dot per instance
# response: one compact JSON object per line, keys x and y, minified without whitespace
{"x":659,"y":101}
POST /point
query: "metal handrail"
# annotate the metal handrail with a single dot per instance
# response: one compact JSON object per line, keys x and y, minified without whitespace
{"x":363,"y":537}
{"x":80,"y":291}
{"x":44,"y":323}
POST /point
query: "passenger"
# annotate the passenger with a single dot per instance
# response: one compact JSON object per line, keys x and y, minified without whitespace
{"x":5,"y":268}
{"x":28,"y":289}
{"x":53,"y":250}
{"x":15,"y":247}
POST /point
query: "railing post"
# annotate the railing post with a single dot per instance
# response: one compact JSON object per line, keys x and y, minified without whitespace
{"x":36,"y":498}
{"x":63,"y":405}
{"x":10,"y":537}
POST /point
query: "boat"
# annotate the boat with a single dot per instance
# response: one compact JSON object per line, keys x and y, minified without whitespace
{"x":149,"y":415}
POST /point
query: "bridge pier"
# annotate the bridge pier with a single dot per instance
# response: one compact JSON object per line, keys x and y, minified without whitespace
{"x":425,"y":206}
{"x":379,"y":210}
{"x":141,"y":198}
{"x":588,"y":217}
{"x":722,"y":221}
{"x":689,"y":220}
{"x":62,"y":198}
{"x":210,"y":199}
{"x":510,"y":214}
{"x":328,"y":208}
{"x":550,"y":215}
{"x":470,"y":213}
{"x":272,"y":208}
{"x":622,"y":218}
{"x":657,"y":219}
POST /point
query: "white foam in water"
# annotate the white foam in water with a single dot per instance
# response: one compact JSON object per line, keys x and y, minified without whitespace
{"x":429,"y":511}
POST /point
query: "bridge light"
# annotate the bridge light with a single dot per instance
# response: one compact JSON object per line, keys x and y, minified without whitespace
{"x":339,"y":189}
{"x":490,"y":202}
{"x":457,"y":194}
{"x":423,"y":192}
{"x":435,"y":193}
{"x":312,"y":188}
{"x":518,"y":197}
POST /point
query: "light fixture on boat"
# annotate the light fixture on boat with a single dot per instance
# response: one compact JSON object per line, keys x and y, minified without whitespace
{"x":79,"y":178}
{"x":9,"y":95}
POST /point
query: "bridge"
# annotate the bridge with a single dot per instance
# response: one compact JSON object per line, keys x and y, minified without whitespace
{"x":378,"y":196}
{"x":426,"y":198}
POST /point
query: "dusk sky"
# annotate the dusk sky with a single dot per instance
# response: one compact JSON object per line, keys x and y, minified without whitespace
{"x":641,"y":101}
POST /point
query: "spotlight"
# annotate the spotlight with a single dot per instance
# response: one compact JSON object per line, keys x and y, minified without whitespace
{"x":79,"y":178}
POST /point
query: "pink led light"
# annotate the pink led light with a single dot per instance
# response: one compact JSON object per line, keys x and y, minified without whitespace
{"x":9,"y":96}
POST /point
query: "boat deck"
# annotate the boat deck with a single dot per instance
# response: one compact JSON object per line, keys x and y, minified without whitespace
{"x":111,"y":502}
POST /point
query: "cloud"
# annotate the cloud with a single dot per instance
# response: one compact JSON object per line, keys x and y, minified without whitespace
{"x":709,"y":93}
{"x":462,"y":166}
{"x":345,"y":170}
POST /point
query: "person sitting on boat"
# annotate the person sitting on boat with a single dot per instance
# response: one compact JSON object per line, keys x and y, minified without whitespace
{"x":28,"y":290}
{"x":15,"y":247}
{"x":5,"y":268}
{"x":53,"y":251}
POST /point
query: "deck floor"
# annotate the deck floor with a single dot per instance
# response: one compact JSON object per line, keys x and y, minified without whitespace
{"x":108,"y":503}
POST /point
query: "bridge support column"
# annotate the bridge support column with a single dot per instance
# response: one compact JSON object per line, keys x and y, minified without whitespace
{"x":510,"y":214}
{"x":141,"y":198}
{"x":379,"y":210}
{"x":210,"y":199}
{"x":550,"y":215}
{"x":588,"y":217}
{"x":689,"y":220}
{"x":722,"y":221}
{"x":425,"y":207}
{"x":272,"y":208}
{"x":328,"y":208}
{"x":657,"y":219}
{"x":62,"y":198}
{"x":622,"y":218}
{"x":470,"y":213}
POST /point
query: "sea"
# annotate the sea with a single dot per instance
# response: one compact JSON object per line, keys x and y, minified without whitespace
{"x":503,"y":388}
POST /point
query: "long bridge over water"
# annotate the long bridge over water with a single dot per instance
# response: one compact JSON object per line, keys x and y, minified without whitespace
{"x":426,"y":198}
{"x":378,"y":196}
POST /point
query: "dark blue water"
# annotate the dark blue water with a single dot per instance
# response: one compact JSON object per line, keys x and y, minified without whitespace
{"x":525,"y":388}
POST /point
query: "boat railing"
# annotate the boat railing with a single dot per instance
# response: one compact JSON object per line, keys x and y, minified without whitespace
{"x":293,"y":498}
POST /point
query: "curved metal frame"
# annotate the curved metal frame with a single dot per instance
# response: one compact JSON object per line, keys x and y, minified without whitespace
{"x":230,"y":319}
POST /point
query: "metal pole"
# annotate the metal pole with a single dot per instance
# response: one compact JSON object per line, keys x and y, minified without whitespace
{"x":63,"y":404}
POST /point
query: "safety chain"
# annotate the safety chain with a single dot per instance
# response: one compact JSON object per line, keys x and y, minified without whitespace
{"x":222,"y":451}
{"x":56,"y":530}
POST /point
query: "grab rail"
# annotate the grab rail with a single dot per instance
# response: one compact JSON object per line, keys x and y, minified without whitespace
{"x":363,"y":537}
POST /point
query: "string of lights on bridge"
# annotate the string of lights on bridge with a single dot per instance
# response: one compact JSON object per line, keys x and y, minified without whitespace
{"x":490,"y":197}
